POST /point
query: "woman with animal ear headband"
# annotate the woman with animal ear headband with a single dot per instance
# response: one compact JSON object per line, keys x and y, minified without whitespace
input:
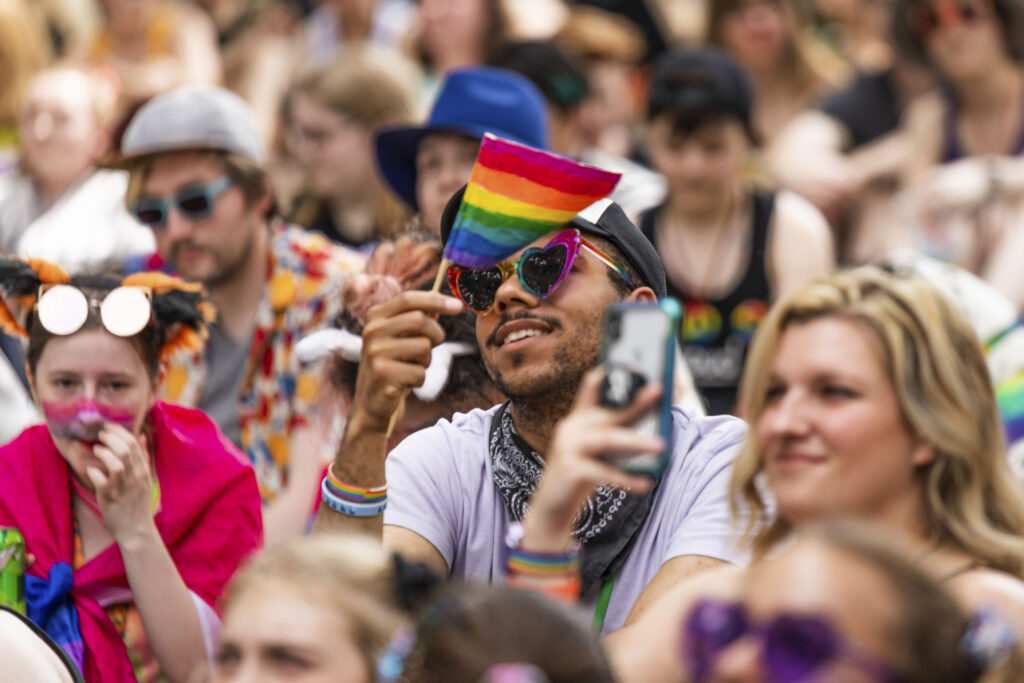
{"x":135,"y":512}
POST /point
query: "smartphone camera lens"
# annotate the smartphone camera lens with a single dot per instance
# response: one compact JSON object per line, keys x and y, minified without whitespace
{"x":619,"y":386}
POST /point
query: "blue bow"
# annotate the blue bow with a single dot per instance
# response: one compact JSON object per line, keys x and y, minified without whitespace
{"x":50,"y":608}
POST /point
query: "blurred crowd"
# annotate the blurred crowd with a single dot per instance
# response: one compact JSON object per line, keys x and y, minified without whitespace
{"x":857,"y":109}
{"x":833,"y":190}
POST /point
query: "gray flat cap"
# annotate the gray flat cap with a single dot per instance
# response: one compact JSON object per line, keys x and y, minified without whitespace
{"x":192,"y":117}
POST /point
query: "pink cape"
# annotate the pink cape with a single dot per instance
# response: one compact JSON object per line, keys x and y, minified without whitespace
{"x":209,"y":518}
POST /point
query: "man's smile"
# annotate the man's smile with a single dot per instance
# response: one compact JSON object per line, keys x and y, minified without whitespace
{"x":520,"y":328}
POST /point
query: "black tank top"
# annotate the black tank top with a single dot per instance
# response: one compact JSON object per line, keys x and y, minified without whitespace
{"x":717,"y":332}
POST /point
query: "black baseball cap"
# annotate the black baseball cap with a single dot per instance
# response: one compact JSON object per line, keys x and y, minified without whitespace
{"x":603,"y":218}
{"x":701,"y":80}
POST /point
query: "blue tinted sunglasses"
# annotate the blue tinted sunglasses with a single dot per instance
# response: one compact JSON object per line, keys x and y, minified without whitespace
{"x":195,"y":202}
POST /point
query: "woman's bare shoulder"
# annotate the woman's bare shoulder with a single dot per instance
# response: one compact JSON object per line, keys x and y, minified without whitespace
{"x":927,"y":110}
{"x":983,"y":588}
{"x":923,"y":124}
{"x":648,"y":650}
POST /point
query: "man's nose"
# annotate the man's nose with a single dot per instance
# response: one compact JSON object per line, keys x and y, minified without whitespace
{"x":177,"y":226}
{"x":511,"y":292}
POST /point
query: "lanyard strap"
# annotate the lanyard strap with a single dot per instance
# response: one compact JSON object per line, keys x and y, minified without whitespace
{"x":602,"y":602}
{"x":89,"y":498}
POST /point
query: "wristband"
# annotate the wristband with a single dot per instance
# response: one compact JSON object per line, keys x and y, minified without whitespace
{"x":345,"y":507}
{"x":354,"y":494}
{"x":540,"y":565}
{"x":566,"y":589}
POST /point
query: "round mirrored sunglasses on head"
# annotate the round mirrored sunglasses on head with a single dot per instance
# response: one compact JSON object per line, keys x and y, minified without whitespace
{"x":540,"y":271}
{"x":195,"y":202}
{"x":795,"y":648}
{"x":124,"y":311}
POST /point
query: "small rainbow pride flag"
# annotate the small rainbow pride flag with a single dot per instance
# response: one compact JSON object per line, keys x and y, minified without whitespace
{"x":515,"y":195}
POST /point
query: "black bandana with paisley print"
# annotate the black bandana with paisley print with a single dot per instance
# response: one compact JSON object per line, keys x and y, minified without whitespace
{"x":605,"y":526}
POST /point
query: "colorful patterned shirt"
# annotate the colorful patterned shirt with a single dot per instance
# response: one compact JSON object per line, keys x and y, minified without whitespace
{"x":302,"y":295}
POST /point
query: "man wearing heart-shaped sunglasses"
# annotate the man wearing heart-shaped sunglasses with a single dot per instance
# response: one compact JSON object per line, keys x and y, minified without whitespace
{"x":530,"y":475}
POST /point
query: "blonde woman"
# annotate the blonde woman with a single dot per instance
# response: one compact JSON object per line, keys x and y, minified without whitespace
{"x":868,"y":398}
{"x":24,"y":51}
{"x":309,"y":609}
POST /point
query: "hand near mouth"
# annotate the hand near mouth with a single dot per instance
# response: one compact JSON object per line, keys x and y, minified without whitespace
{"x":124,"y":486}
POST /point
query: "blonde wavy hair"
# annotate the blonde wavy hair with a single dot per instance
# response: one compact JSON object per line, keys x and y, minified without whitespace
{"x":349,"y":575}
{"x":972,"y":501}
{"x":24,"y":51}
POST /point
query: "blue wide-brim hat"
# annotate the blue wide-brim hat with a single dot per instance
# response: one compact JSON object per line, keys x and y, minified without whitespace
{"x":472,"y":101}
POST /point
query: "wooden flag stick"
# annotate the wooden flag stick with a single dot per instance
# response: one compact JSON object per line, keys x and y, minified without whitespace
{"x":442,"y":270}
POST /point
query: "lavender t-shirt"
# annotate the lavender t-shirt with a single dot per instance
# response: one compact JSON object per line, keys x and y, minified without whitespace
{"x":440,"y":486}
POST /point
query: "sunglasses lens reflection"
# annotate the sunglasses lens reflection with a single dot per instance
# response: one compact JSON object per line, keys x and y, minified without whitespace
{"x":194,"y":203}
{"x":477,"y":288}
{"x":62,"y":309}
{"x":125,"y":311}
{"x":542,"y":269}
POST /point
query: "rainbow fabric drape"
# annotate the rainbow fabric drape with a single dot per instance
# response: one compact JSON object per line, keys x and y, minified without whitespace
{"x":516,"y":195}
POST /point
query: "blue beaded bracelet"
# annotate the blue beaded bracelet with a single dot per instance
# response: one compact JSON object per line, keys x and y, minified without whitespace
{"x":345,"y":507}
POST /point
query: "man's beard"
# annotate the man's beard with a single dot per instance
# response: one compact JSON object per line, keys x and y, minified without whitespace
{"x":559,"y":386}
{"x":223,"y":272}
{"x":548,"y":396}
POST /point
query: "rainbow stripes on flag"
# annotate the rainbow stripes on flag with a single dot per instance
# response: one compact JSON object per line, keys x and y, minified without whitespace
{"x":516,"y":195}
{"x":1010,"y":397}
